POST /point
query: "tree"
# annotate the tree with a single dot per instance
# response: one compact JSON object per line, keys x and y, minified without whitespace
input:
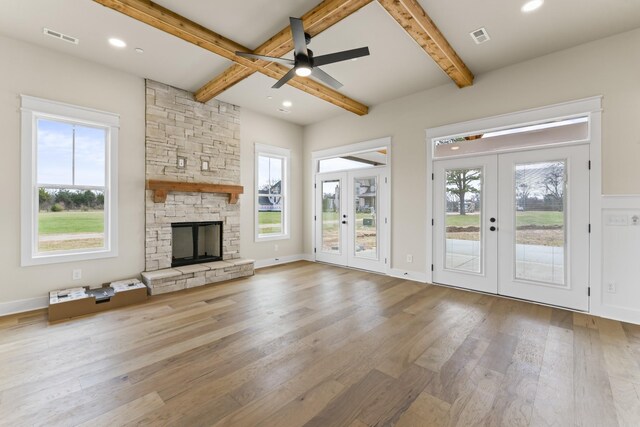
{"x":463,"y":181}
{"x":553,"y":183}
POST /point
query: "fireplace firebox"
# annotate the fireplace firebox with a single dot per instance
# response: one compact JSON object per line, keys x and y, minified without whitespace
{"x":196,"y":242}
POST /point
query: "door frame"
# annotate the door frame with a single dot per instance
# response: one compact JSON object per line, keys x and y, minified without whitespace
{"x":589,"y":107}
{"x":359,"y":147}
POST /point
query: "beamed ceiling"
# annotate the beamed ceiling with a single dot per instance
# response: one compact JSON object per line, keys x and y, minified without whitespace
{"x":414,"y":44}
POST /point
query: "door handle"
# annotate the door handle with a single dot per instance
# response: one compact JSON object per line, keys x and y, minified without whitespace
{"x":492,"y":219}
{"x":492,"y":228}
{"x":344,"y":222}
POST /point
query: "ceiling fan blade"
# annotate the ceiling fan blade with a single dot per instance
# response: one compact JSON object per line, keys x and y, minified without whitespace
{"x":291,"y":74}
{"x":325,"y":78}
{"x":299,"y":39}
{"x":282,"y":61}
{"x":340,"y":56}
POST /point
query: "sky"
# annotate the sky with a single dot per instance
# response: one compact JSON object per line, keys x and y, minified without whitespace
{"x":55,"y":154}
{"x":269,"y":171}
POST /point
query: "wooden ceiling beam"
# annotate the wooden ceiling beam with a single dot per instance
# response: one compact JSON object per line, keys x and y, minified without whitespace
{"x":415,"y":21}
{"x":318,"y":19}
{"x":170,"y":22}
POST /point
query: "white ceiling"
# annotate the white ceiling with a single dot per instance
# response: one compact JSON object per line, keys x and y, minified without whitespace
{"x":396,"y":67}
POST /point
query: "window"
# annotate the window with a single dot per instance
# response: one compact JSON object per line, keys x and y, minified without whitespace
{"x":272,"y":165}
{"x":68,"y":182}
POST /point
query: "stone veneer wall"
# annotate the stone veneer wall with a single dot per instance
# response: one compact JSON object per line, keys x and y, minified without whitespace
{"x":179,"y":126}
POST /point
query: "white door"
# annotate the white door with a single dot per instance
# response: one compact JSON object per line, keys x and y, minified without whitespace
{"x":351,"y":216}
{"x":465,"y":238}
{"x":523,"y":227}
{"x":544,"y":226}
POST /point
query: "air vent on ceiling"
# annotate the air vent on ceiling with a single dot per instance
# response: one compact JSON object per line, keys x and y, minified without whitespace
{"x":58,"y":35}
{"x":480,"y":35}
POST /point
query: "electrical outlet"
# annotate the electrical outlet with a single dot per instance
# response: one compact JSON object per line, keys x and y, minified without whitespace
{"x":409,"y":258}
{"x":634,"y":219}
{"x":275,"y":248}
{"x":76,"y":275}
{"x":611,"y":288}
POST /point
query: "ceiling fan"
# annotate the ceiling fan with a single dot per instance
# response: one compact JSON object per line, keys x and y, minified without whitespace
{"x":304,"y":63}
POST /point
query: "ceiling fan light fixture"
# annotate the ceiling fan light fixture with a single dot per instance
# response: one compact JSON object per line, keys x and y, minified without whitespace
{"x":532,"y":5}
{"x":303,"y":71}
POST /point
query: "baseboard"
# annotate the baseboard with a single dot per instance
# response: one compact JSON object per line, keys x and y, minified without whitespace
{"x":20,"y":306}
{"x":620,"y":314}
{"x":409,"y":275}
{"x":269,"y":262}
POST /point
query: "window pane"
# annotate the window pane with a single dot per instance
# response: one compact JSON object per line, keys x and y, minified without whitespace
{"x":55,"y":152}
{"x":275,"y":175}
{"x":90,"y":156}
{"x":70,"y":220}
{"x":270,"y":222}
{"x":366,"y":206}
{"x":540,"y":231}
{"x":331,"y":216}
{"x":270,"y":202}
{"x":463,"y":217}
{"x":263,"y":175}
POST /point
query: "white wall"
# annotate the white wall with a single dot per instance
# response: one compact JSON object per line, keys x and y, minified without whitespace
{"x":30,"y":70}
{"x":621,"y":251}
{"x":257,"y":128}
{"x":608,"y":67}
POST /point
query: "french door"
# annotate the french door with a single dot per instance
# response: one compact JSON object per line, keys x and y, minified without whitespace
{"x":515,"y":224}
{"x":351,"y":215}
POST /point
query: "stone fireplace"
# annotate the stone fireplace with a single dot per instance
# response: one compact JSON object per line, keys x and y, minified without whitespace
{"x":190,"y":142}
{"x":196,"y":242}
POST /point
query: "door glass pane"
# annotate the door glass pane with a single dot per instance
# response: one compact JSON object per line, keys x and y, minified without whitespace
{"x":331,"y":216}
{"x":463,"y":217}
{"x":365,"y":191}
{"x":540,"y":194}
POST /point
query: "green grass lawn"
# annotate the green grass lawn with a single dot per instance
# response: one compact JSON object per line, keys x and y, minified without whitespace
{"x":523,"y":218}
{"x":70,"y":222}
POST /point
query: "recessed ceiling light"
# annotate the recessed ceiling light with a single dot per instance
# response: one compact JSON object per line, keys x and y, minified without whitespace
{"x":287,"y":104}
{"x":139,"y":50}
{"x":117,"y":43}
{"x":532,"y":5}
{"x":455,"y":147}
{"x":269,"y":97}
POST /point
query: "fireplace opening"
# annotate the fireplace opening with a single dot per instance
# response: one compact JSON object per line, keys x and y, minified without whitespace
{"x":196,"y":242}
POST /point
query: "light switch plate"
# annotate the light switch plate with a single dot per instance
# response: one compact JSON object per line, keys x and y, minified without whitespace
{"x":617,"y":220}
{"x":205,"y":165}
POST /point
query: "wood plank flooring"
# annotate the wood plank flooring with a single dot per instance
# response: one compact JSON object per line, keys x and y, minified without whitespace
{"x":313,"y":345}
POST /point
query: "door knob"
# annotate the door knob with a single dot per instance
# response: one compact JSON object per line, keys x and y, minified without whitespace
{"x":344,"y":222}
{"x":492,"y":228}
{"x":492,"y":219}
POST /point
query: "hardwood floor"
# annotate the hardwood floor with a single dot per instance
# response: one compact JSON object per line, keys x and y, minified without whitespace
{"x":309,"y":344}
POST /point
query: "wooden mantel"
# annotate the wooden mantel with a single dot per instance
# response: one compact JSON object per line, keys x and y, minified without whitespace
{"x":161,"y":189}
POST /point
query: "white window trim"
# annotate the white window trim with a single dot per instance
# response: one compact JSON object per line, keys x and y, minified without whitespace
{"x":285,"y":154}
{"x":32,"y":109}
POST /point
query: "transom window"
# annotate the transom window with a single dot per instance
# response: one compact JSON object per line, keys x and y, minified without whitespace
{"x":271,"y":192}
{"x":68,"y":184}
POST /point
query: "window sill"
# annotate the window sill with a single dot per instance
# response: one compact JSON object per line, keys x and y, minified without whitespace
{"x":28,"y":261}
{"x":270,"y":238}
